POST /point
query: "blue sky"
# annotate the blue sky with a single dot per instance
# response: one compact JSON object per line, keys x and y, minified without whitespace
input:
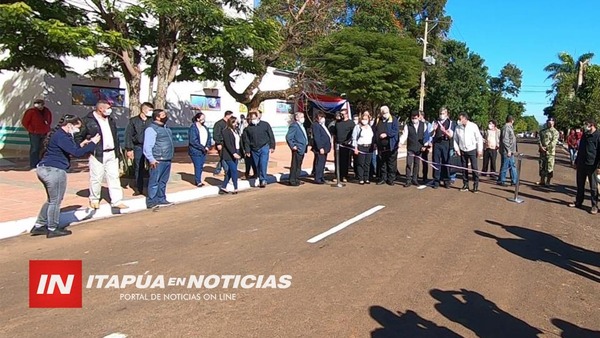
{"x":528,"y":33}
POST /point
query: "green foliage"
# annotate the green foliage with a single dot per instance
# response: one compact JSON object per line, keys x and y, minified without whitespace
{"x":458,"y":82}
{"x":371,"y":68}
{"x":38,"y":33}
{"x":532,"y":123}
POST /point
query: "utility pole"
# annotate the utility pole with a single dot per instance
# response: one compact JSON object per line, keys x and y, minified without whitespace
{"x":422,"y":91}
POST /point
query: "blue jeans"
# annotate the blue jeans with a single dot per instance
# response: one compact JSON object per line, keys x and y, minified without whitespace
{"x":261,"y":160}
{"x":572,"y":154}
{"x":139,"y":167}
{"x":508,"y":163}
{"x":55,"y":183}
{"x":157,"y":184}
{"x":221,"y":164}
{"x":452,"y":173}
{"x":231,"y":173}
{"x":198,"y":161}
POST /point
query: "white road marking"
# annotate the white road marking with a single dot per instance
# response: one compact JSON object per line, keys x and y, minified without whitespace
{"x":116,"y":335}
{"x":345,"y":224}
{"x":129,"y":263}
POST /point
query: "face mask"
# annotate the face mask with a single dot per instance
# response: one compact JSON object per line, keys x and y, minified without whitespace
{"x":415,"y":121}
{"x":38,"y":106}
{"x":490,"y":126}
{"x":322,"y":121}
{"x":74,"y":130}
{"x":108,"y":112}
{"x":255,"y":122}
{"x":365,"y":122}
{"x":588,"y":129}
{"x":164,"y":119}
{"x":148,"y":113}
{"x":442,"y":117}
{"x":386,"y":116}
{"x":201,"y":122}
{"x":301,"y":121}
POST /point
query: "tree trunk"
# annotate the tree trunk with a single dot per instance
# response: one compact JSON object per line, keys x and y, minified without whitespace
{"x":151,"y":89}
{"x":133,"y":79}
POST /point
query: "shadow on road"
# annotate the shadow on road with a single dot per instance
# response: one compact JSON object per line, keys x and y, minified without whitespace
{"x":570,"y":330}
{"x":408,"y":324}
{"x":539,"y":246}
{"x":480,"y":315}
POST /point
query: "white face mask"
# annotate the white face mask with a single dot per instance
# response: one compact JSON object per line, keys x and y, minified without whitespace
{"x":365,"y":122}
{"x":255,"y":122}
{"x":443,"y":117}
{"x":490,"y":126}
{"x":108,"y":112}
{"x":148,"y":113}
{"x":322,"y":121}
{"x":301,"y":121}
{"x":386,"y":116}
{"x":415,"y":121}
{"x":74,"y":130}
{"x":38,"y":106}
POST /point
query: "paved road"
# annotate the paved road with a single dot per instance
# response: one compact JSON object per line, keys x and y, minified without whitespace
{"x":431,"y":263}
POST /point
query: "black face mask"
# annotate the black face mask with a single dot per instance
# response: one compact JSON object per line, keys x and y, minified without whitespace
{"x":164,"y":119}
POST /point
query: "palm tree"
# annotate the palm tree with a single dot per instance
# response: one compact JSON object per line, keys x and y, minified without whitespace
{"x":568,"y":72}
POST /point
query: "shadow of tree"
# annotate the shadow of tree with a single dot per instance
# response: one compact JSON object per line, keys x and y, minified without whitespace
{"x":480,"y":315}
{"x":539,"y":246}
{"x":408,"y":324}
{"x":570,"y":330}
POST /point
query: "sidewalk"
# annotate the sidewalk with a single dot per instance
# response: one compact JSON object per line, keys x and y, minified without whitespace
{"x":22,"y":195}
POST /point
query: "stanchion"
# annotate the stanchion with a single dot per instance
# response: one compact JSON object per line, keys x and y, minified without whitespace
{"x":516,"y":199}
{"x":337,"y":166}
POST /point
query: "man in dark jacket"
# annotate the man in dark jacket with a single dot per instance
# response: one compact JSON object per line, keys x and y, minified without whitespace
{"x":37,"y":120}
{"x":321,"y":146}
{"x":104,"y":161}
{"x":134,"y":144}
{"x":218,"y":128}
{"x":159,"y":150}
{"x":258,"y":142}
{"x":297,"y":140}
{"x":343,"y":136}
{"x":587,"y":162}
{"x":386,"y":137}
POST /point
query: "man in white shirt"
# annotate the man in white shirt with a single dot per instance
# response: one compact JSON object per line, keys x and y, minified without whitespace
{"x":468,"y":144}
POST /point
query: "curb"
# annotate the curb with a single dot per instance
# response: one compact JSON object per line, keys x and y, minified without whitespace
{"x":83,"y":215}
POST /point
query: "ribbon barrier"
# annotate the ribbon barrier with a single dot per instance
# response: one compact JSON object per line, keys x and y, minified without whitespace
{"x":337,"y":166}
{"x":516,"y":199}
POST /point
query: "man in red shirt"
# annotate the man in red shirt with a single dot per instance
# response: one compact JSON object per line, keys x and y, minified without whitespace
{"x":37,"y":120}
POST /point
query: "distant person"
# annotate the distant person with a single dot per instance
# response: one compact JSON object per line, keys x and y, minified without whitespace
{"x":362,"y":141}
{"x":343,"y":136}
{"x":259,"y":142}
{"x":386,"y":139}
{"x":37,"y":120}
{"x":491,"y":141}
{"x":104,"y":161}
{"x":547,"y":149}
{"x":321,"y":146}
{"x":231,"y":155}
{"x":417,"y":138}
{"x":587,"y":161}
{"x":442,"y":133}
{"x":52,"y":172}
{"x":468,"y":144}
{"x":218,"y":128}
{"x":248,"y":161}
{"x":200,"y":142}
{"x":297,"y":140}
{"x":159,"y":150}
{"x":425,"y":153}
{"x":573,"y":144}
{"x":508,"y":149}
{"x":134,"y":144}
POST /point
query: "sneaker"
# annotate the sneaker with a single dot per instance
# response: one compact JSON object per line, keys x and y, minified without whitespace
{"x":574,"y":205}
{"x":120,"y":206}
{"x":465,"y":187}
{"x":58,"y":232}
{"x":36,"y":231}
{"x":475,"y":189}
{"x":165,"y":204}
{"x":95,"y":205}
{"x":594,"y":210}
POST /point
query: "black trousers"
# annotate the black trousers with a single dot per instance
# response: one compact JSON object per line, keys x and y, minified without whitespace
{"x":586,"y":172}
{"x":489,"y":158}
{"x":320,"y":161}
{"x":466,"y":157}
{"x":35,"y":149}
{"x":296,"y":167}
{"x":425,"y":156}
{"x":363,"y":163}
{"x":249,"y":164}
{"x":344,"y":154}
{"x":412,"y":167}
{"x":441,"y":155}
{"x":389,"y":165}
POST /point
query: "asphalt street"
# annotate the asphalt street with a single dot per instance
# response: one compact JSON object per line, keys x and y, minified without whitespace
{"x":430,"y":263}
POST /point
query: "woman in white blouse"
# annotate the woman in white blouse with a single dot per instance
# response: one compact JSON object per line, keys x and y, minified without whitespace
{"x":362,"y":141}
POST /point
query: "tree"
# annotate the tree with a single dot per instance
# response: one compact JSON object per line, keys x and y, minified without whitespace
{"x":507,"y":83}
{"x":458,"y":82}
{"x":40,"y":33}
{"x":532,"y":123}
{"x":371,"y":68}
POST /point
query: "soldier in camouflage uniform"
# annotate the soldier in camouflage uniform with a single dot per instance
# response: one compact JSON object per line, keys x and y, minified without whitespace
{"x":548,"y":140}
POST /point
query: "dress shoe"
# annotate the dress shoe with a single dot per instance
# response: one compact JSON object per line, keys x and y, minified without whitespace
{"x":165,"y":204}
{"x":574,"y":205}
{"x":319,"y":182}
{"x":95,"y":205}
{"x":200,"y":185}
{"x":475,"y":189}
{"x":367,"y":182}
{"x":407,"y":184}
{"x":35,"y":231}
{"x":235,"y":192}
{"x":263,"y":184}
{"x":502,"y":184}
{"x":58,"y":232}
{"x":223,"y":191}
{"x":390,"y":183}
{"x":380,"y":182}
{"x":465,"y":187}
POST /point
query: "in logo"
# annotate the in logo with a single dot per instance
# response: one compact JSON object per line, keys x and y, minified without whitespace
{"x":55,"y":284}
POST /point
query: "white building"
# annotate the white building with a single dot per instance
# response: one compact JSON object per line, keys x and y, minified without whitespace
{"x":66,"y":95}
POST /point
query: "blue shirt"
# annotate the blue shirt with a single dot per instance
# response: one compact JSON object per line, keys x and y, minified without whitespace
{"x":61,"y":147}
{"x":149,"y":142}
